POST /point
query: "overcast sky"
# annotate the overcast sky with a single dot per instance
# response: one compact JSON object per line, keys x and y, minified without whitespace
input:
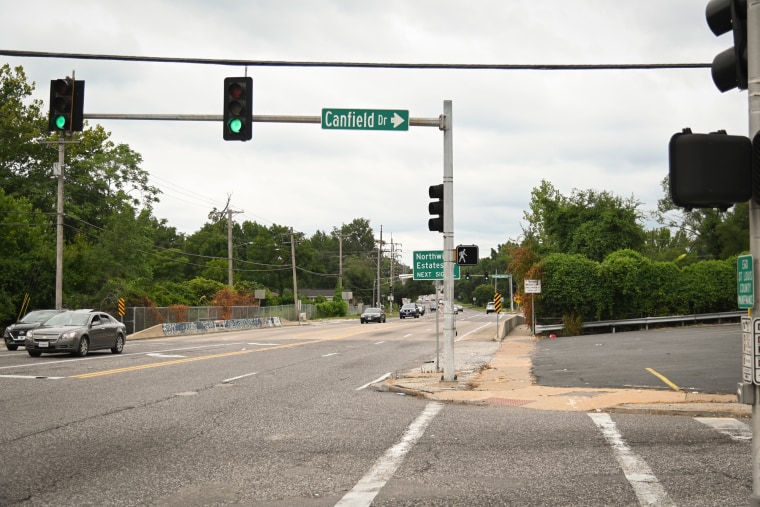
{"x":601,"y":130}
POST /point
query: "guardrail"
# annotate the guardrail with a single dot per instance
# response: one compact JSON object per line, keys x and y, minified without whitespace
{"x":647,"y":321}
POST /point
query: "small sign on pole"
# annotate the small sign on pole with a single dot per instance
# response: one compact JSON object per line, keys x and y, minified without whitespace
{"x":532,"y":286}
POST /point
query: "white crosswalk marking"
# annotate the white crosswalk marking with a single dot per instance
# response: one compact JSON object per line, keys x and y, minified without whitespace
{"x":735,"y":429}
{"x":648,"y":489}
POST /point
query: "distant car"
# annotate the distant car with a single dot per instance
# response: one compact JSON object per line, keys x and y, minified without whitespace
{"x":420,"y":308}
{"x":490,"y":307}
{"x":77,"y":332}
{"x":432,"y":307}
{"x":372,"y":315}
{"x":15,"y":334}
{"x":408,"y":310}
{"x":458,"y":308}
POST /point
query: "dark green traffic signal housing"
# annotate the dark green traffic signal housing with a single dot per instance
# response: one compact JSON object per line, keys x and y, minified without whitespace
{"x":238,"y":109}
{"x":435,"y":208}
{"x":467,"y":275}
{"x":66,"y":105}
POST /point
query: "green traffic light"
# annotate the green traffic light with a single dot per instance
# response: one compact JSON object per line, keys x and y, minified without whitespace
{"x":60,"y":121}
{"x":235,"y":125}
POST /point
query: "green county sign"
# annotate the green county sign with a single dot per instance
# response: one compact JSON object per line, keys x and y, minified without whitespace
{"x":428,"y":265}
{"x":745,"y":282}
{"x":365,"y":119}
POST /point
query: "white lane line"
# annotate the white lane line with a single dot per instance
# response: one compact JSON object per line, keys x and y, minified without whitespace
{"x":374,"y":381}
{"x":370,"y":485}
{"x":156,"y":354}
{"x":736,"y":430}
{"x":228,"y":380}
{"x":648,"y":489}
{"x":407,"y":335}
{"x":31,"y":376}
{"x":330,"y":354}
{"x":473,"y":331}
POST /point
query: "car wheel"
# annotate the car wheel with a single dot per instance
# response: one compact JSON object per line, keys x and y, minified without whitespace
{"x":83,"y":348}
{"x":34,"y":353}
{"x":11,"y":346}
{"x":118,"y":348}
{"x":382,"y":320}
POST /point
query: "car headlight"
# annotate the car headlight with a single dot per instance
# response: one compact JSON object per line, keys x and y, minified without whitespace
{"x":30,"y":333}
{"x":68,"y":335}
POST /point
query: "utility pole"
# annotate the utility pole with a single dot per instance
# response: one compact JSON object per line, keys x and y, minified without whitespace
{"x":379,"y":258}
{"x":230,"y":281}
{"x":295,"y":284}
{"x":59,"y":172}
{"x":59,"y":228}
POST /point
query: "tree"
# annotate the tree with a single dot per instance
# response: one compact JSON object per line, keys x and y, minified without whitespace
{"x":712,"y":234}
{"x":589,"y":222}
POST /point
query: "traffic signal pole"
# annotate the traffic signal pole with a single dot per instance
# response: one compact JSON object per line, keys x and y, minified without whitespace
{"x":753,"y":89}
{"x":449,"y":373}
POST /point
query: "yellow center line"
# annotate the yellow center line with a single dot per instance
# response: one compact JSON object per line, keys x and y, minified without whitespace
{"x":202,"y":358}
{"x":664,"y":379}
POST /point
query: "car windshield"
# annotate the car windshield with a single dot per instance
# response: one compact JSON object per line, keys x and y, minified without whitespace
{"x":68,"y":319}
{"x":38,"y":316}
{"x":373,"y":310}
{"x":410,"y":305}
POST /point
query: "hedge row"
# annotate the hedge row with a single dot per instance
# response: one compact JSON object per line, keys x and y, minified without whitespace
{"x":627,"y":285}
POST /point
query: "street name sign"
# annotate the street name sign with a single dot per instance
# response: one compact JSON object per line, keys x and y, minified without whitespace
{"x":365,"y":119}
{"x":428,"y":265}
{"x":745,"y":282}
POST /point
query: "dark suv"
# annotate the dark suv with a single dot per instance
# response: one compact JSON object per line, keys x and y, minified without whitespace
{"x":15,"y":334}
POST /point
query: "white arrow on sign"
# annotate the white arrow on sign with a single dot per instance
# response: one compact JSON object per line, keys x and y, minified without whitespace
{"x":396,"y":120}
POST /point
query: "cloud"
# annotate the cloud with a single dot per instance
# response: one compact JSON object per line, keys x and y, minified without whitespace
{"x":602,"y":130}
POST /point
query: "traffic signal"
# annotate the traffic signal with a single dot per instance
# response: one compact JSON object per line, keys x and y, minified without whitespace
{"x":436,"y":208}
{"x":238,"y":109}
{"x":729,"y":68}
{"x":710,"y":170}
{"x":467,"y":275}
{"x":66,"y":105}
{"x":485,"y":276}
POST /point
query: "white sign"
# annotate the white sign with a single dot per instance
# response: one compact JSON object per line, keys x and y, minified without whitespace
{"x":747,"y":353}
{"x":532,"y":286}
{"x":751,"y":349}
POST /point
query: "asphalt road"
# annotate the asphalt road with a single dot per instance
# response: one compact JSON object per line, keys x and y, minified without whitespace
{"x":284,"y":417}
{"x":693,"y":358}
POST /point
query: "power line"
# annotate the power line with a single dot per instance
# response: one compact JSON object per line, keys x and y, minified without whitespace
{"x":359,"y":65}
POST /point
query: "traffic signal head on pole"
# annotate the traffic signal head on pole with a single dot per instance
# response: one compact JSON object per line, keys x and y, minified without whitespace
{"x":710,"y":170}
{"x":66,"y":105}
{"x":729,"y":68}
{"x":485,"y":276}
{"x":467,"y":275}
{"x":238,"y":109}
{"x":435,"y":208}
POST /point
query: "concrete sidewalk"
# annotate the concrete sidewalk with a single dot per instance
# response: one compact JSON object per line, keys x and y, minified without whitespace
{"x":499,"y":373}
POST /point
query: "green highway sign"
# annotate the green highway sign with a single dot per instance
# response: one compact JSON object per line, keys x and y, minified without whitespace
{"x":428,"y":265}
{"x":745,"y":282}
{"x":365,"y":119}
